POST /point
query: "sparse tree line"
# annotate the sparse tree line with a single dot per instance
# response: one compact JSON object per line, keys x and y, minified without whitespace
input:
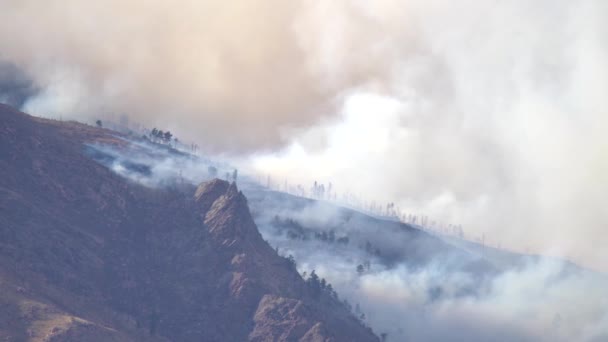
{"x":166,"y":137}
{"x":229,"y":176}
{"x":155,"y":135}
{"x":390,"y":210}
{"x":295,"y":231}
{"x":319,"y":191}
{"x":316,"y":191}
{"x":315,"y":285}
{"x":320,"y":288}
{"x":160,"y":137}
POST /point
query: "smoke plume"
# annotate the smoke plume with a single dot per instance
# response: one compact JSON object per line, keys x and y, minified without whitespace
{"x":489,"y":114}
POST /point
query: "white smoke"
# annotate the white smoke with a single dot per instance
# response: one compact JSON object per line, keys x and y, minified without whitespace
{"x":489,"y":115}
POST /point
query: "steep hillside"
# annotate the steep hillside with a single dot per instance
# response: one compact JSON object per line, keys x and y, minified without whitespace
{"x":288,"y":220}
{"x":86,"y":255}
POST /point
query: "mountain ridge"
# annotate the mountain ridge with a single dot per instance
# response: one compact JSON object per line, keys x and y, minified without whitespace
{"x":101,"y":258}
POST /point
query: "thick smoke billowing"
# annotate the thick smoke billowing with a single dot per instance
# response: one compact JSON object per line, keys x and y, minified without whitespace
{"x":487,"y":114}
{"x":227,"y":74}
{"x":15,"y":87}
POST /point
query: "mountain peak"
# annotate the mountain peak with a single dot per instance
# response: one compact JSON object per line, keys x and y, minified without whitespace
{"x":225,"y":213}
{"x":207,"y":192}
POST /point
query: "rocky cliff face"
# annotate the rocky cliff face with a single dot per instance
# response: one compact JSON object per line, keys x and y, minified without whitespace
{"x":87,"y":255}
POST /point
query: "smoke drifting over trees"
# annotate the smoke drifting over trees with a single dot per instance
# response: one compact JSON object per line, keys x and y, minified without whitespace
{"x":489,"y":114}
{"x":414,"y":288}
{"x":400,"y":281}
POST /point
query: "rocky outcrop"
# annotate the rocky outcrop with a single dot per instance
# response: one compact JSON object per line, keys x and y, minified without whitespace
{"x":270,"y":289}
{"x":226,"y":215}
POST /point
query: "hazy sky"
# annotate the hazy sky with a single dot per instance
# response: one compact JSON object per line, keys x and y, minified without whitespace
{"x":486,"y":113}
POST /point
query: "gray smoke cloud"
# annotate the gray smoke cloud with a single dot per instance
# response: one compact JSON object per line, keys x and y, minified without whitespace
{"x":487,"y":114}
{"x":490,"y":115}
{"x":15,"y":87}
{"x":227,"y":74}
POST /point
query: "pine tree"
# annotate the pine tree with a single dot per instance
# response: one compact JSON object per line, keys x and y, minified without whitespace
{"x":167,"y":137}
